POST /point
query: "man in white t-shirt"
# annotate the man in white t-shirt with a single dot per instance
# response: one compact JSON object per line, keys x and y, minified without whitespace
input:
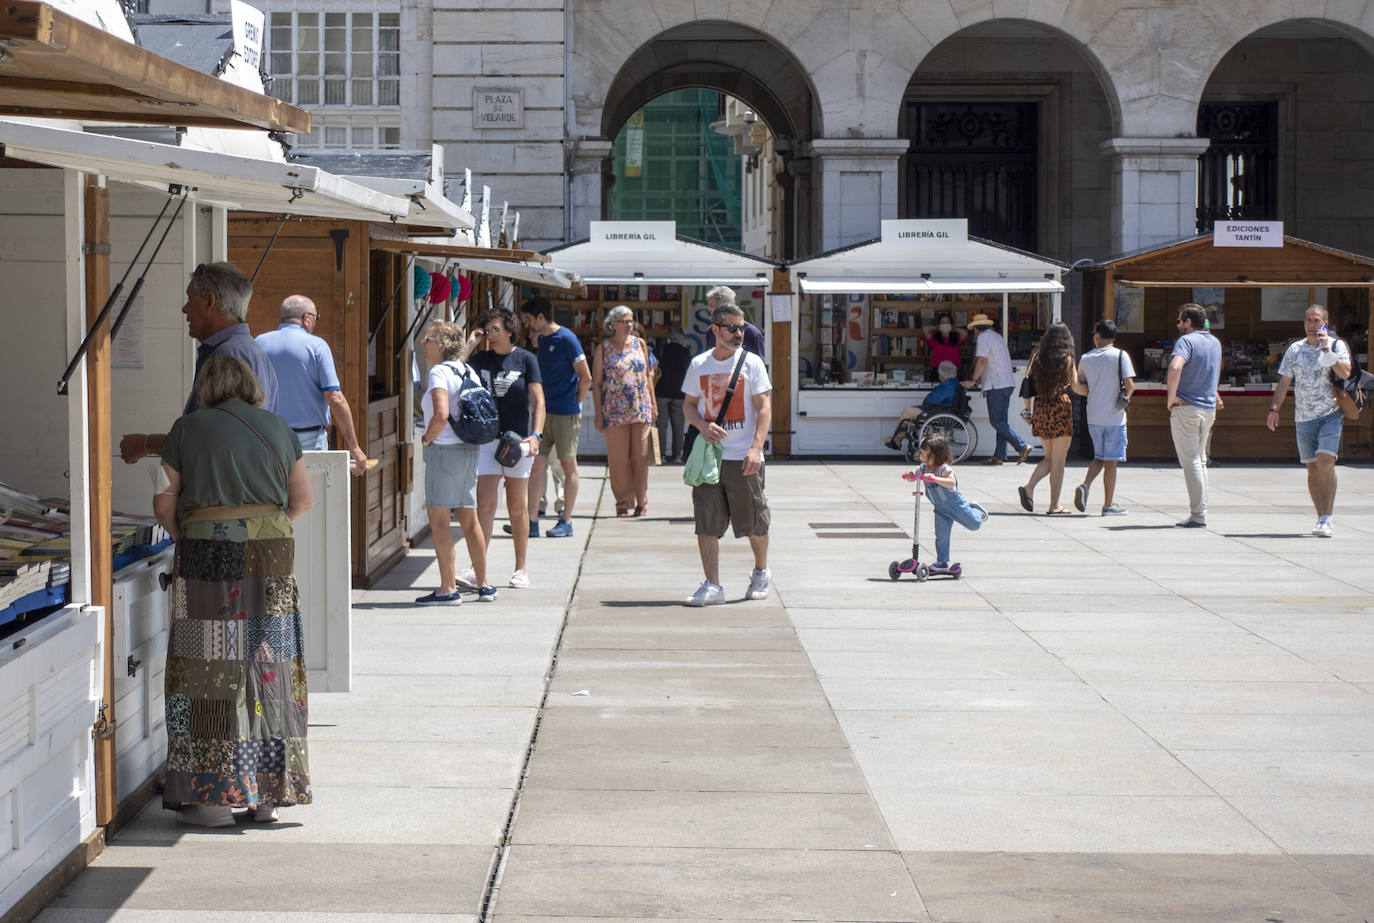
{"x":1307,"y":365}
{"x":992,"y":372}
{"x":738,"y":498}
{"x":1104,"y":373}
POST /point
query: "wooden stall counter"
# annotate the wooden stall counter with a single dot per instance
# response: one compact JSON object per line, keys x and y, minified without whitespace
{"x":1239,"y":431}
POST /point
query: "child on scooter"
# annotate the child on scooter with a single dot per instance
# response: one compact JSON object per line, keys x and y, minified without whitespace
{"x":942,"y":488}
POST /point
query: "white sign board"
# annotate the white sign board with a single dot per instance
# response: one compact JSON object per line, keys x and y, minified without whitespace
{"x":926,"y":233}
{"x":127,"y":348}
{"x":637,"y":235}
{"x":248,"y":23}
{"x":498,"y":108}
{"x":1247,"y":234}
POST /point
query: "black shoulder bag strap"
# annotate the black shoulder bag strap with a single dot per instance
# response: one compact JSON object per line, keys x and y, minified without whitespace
{"x":730,"y":391}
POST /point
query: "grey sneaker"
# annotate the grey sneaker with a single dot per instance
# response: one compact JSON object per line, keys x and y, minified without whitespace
{"x":708,"y":594}
{"x":758,"y":584}
{"x":1113,"y":510}
{"x":1080,"y":498}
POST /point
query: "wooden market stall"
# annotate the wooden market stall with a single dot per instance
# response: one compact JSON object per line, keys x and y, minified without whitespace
{"x":858,"y":339}
{"x":1255,"y":298}
{"x":65,"y":220}
{"x":663,"y":278}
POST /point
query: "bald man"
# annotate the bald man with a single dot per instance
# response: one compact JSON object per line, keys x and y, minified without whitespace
{"x":308,"y":386}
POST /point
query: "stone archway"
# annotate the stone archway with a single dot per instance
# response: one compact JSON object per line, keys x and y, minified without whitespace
{"x":1285,"y":109}
{"x":742,"y":63}
{"x":1006,"y":120}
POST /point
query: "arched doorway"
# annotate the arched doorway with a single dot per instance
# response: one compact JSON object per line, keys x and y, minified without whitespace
{"x":765,"y":115}
{"x":1287,"y":113}
{"x":1006,"y":119}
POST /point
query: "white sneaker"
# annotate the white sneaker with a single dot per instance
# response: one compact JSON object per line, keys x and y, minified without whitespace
{"x":266,"y":814}
{"x":1323,"y":527}
{"x":520,"y":580}
{"x":708,"y":594}
{"x":758,"y":584}
{"x":468,"y":580}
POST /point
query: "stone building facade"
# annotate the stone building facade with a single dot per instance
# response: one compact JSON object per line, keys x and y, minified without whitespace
{"x":1077,"y":120}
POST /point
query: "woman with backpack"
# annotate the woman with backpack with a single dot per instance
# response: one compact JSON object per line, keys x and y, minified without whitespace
{"x":450,"y":468}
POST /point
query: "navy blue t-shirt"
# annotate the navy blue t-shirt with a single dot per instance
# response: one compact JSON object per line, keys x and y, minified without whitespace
{"x":558,"y":351}
{"x":508,"y":377}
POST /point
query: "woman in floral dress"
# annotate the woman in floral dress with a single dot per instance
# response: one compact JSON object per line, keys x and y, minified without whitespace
{"x":234,"y":483}
{"x":625,"y":409}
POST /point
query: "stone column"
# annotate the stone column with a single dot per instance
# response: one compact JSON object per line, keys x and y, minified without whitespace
{"x":857,"y":179}
{"x":1154,"y":190}
{"x":589,"y":158}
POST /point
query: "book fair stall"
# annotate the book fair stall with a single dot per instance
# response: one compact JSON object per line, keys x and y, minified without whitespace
{"x":867,"y":311}
{"x":1256,"y":292}
{"x":664,"y":279}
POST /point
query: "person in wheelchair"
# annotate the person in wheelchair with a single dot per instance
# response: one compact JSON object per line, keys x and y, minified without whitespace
{"x":946,"y":397}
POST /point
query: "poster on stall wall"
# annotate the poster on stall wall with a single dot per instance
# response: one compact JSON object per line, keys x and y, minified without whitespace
{"x":1288,"y":304}
{"x":856,"y":315}
{"x":634,"y":144}
{"x":126,"y":352}
{"x":1129,"y":302}
{"x":1213,"y":301}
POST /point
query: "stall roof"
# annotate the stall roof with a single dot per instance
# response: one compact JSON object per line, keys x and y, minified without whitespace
{"x":241,"y":183}
{"x":56,"y":66}
{"x":400,"y":173}
{"x":878,"y":267}
{"x":683,"y":262}
{"x":1196,"y":261}
{"x":516,"y":265}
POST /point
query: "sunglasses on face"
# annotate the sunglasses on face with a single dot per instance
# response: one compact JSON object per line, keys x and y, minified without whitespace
{"x":732,"y":328}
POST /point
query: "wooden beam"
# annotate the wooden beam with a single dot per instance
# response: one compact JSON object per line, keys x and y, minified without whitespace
{"x":427,"y":248}
{"x":97,"y":234}
{"x":782,"y":371}
{"x":56,"y":65}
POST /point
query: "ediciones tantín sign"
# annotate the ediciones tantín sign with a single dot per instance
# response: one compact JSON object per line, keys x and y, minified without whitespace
{"x":941,"y":233}
{"x":1247,"y":234}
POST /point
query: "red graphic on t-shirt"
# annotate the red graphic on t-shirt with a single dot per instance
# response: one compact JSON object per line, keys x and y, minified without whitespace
{"x":713,"y":388}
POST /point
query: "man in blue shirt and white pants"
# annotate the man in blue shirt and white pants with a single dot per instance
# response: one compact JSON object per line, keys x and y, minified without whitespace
{"x":1194,"y":370}
{"x":308,"y":391}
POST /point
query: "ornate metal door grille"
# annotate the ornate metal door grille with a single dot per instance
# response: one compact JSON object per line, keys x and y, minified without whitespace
{"x":1237,"y":176}
{"x":975,"y":161}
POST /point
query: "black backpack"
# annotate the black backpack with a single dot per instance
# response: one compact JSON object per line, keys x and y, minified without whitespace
{"x":474,"y":418}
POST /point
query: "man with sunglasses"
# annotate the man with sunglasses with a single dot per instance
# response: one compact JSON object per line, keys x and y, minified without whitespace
{"x":308,"y":385}
{"x":738,"y":498}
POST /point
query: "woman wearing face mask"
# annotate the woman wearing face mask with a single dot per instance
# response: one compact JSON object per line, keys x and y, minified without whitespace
{"x":945,"y":342}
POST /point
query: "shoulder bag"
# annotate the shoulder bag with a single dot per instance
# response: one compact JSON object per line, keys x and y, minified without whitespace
{"x":1352,"y":394}
{"x":1123,"y":398}
{"x":703,"y":464}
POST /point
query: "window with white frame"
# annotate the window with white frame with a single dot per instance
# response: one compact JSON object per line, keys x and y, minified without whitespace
{"x":336,"y":59}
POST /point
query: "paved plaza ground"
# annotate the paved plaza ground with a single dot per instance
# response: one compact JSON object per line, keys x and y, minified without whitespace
{"x":1106,"y":719}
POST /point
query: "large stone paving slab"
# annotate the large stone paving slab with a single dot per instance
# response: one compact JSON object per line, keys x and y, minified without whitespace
{"x":715,"y":884}
{"x":1122,"y":888}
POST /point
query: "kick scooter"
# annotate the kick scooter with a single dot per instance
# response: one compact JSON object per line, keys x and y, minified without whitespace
{"x":913,"y":565}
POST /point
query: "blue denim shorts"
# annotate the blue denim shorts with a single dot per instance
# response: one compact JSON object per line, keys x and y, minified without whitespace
{"x":450,"y":476}
{"x":1321,"y":436}
{"x":1109,"y":442}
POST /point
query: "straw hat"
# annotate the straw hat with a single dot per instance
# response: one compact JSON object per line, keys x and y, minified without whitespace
{"x":980,"y":320}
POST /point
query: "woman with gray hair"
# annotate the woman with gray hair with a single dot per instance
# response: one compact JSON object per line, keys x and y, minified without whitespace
{"x":231,"y":483}
{"x":625,"y":410}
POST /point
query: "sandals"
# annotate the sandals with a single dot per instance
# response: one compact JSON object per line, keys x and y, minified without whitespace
{"x":1025,"y":451}
{"x":1059,"y":511}
{"x":1027,"y":503}
{"x":622,"y":513}
{"x":992,"y":460}
{"x":641,"y":509}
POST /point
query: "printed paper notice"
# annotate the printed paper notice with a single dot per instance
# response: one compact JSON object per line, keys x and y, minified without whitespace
{"x":126,"y":352}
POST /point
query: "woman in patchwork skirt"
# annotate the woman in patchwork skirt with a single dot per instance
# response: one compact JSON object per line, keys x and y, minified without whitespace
{"x":232,"y":482}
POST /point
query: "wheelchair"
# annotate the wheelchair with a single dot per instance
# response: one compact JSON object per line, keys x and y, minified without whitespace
{"x":952,"y":420}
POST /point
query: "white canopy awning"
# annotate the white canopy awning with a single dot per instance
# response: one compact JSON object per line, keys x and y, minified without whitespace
{"x":678,"y":262}
{"x":429,"y":206}
{"x":876,"y":286}
{"x":529,"y":273}
{"x":241,"y":183}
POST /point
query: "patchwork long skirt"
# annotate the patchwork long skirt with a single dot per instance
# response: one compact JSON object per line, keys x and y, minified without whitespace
{"x":235,"y":684}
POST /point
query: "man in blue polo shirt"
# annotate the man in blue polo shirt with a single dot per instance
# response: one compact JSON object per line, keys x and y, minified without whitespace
{"x":308,"y":387}
{"x":563,"y":366}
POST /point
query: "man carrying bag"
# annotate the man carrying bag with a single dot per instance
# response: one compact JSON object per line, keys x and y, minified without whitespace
{"x":728,"y":399}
